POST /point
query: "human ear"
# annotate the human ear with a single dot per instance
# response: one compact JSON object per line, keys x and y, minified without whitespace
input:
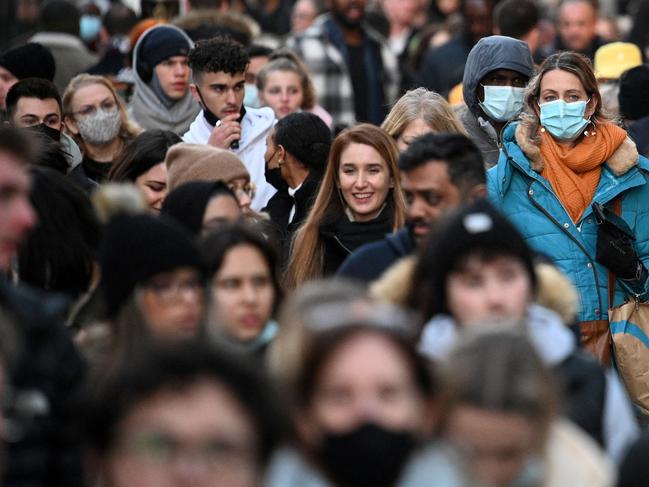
{"x":194,"y":91}
{"x":70,"y":125}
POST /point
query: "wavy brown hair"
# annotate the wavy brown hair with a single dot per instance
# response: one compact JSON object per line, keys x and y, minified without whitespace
{"x":307,"y":250}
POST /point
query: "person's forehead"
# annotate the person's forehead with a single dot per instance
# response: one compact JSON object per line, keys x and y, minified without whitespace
{"x":92,"y":93}
{"x":223,"y":78}
{"x":27,"y":105}
{"x":576,"y":9}
{"x":12,"y":168}
{"x":433,"y":172}
{"x":505,"y":73}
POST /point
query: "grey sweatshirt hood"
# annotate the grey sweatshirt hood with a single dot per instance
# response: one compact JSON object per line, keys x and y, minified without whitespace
{"x":146,"y":107}
{"x":489,"y":54}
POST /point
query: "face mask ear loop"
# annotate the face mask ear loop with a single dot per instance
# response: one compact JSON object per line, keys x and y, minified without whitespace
{"x":591,"y":133}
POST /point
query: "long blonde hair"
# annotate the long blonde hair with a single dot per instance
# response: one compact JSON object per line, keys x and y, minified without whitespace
{"x":128,"y":131}
{"x":307,"y":250}
{"x":423,"y":104}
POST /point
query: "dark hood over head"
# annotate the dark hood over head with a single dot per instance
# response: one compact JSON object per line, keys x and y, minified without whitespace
{"x":489,"y":54}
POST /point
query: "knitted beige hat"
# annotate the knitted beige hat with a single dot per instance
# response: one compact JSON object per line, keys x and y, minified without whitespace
{"x":202,"y":162}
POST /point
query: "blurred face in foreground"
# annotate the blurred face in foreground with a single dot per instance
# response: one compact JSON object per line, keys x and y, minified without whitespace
{"x":367,"y":379}
{"x":172,"y":303}
{"x":489,"y":289}
{"x":197,"y":436}
{"x":243,"y":293}
{"x":498,"y":443}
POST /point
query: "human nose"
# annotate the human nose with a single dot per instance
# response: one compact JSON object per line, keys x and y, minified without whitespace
{"x":284,"y":95}
{"x":361,"y":180}
{"x":231,"y":96}
{"x":244,"y":201}
{"x":495,"y":294}
{"x":367,"y":409}
{"x":189,"y":468}
{"x":249,"y":293}
{"x":416,"y":209}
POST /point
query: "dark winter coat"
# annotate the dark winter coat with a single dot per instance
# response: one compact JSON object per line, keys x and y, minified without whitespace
{"x":371,"y":260}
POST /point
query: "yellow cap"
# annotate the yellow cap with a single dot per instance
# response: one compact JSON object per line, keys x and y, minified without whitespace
{"x":611,"y":60}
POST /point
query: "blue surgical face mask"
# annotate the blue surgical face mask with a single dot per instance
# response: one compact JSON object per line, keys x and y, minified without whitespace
{"x":89,"y":27}
{"x":565,"y":121}
{"x":251,"y":97}
{"x":502,"y":103}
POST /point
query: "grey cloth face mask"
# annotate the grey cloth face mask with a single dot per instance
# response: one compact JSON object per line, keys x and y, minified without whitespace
{"x":100,"y":127}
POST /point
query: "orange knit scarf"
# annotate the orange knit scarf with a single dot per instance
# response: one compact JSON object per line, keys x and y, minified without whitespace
{"x":574,"y":172}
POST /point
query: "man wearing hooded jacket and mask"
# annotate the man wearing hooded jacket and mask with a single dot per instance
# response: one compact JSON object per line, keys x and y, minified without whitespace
{"x":162,"y":99}
{"x":496,"y":73}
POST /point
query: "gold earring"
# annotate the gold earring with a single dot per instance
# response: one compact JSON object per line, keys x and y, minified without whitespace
{"x":280,"y":162}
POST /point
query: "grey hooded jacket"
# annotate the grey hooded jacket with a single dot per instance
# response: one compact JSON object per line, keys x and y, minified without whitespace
{"x":489,"y":54}
{"x":149,"y":112}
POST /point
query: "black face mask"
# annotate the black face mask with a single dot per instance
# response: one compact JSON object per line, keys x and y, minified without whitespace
{"x":46,"y":131}
{"x":211,"y":117}
{"x":274,"y":176}
{"x":368,"y":456}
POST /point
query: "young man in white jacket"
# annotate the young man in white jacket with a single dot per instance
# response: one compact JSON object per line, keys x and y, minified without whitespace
{"x":218,"y":72}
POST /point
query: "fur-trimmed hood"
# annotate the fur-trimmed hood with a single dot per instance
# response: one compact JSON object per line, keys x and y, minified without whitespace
{"x":624,"y":158}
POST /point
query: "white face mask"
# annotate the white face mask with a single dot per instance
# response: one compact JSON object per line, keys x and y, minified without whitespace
{"x":502,"y":103}
{"x":101,"y":127}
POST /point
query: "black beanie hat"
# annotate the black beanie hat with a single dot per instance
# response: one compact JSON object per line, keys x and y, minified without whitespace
{"x":475,"y":227}
{"x":306,"y":137}
{"x":136,"y":248}
{"x":186,"y":204}
{"x":30,"y":60}
{"x":159,"y":43}
{"x":634,"y":93}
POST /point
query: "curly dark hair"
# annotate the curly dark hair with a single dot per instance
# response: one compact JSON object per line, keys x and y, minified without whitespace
{"x":219,"y":53}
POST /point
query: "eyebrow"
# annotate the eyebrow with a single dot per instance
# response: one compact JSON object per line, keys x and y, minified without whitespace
{"x":108,"y":98}
{"x":53,"y":114}
{"x":225,"y":85}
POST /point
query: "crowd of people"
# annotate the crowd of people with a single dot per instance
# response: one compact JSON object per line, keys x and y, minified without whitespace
{"x":361,"y":244}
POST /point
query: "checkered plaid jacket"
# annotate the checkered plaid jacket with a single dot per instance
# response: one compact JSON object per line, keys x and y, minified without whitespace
{"x":330,"y":74}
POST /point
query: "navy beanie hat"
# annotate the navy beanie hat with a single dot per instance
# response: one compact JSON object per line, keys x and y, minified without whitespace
{"x":160,"y":43}
{"x":30,"y":60}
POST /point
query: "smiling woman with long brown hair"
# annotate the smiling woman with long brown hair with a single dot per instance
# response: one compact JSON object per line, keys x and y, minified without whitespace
{"x":359,"y":201}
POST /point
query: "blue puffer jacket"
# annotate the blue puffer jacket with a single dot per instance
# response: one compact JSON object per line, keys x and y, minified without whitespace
{"x":517,"y":188}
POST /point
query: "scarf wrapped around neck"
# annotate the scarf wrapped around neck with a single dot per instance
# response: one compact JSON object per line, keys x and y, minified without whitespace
{"x":574,"y":172}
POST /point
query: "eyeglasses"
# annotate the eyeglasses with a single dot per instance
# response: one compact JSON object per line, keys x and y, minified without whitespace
{"x":173,"y":290}
{"x":89,"y":110}
{"x":162,"y":450}
{"x":249,"y":189}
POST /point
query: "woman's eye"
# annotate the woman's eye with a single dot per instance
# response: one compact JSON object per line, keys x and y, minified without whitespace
{"x":229,"y":284}
{"x":156,"y":187}
{"x":260,"y":281}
